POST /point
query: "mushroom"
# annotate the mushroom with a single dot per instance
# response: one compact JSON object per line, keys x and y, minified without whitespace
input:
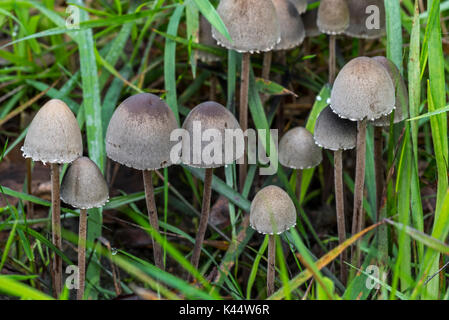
{"x":54,"y":137}
{"x":401,"y":113}
{"x":300,"y":5}
{"x":210,"y":117}
{"x":337,"y":134}
{"x":298,"y":151}
{"x":83,"y":187}
{"x":332,"y":19}
{"x":272,"y":212}
{"x":138,"y":136}
{"x":361,"y":16}
{"x":253,"y":26}
{"x":363,"y":90}
{"x":309,"y":18}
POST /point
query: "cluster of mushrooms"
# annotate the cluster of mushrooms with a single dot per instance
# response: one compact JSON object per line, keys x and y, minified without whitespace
{"x":365,"y":91}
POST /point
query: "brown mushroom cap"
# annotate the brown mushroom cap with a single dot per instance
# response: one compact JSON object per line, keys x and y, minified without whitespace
{"x":206,"y":38}
{"x":358,"y":19}
{"x":401,"y":111}
{"x":272,"y":211}
{"x":333,"y":16}
{"x":252,"y":24}
{"x":297,"y":150}
{"x":310,"y":23}
{"x":210,"y":115}
{"x":334,"y":133}
{"x":300,"y":5}
{"x":138,"y":134}
{"x":54,"y":135}
{"x":363,"y":90}
{"x":292,"y":28}
{"x":83,"y":185}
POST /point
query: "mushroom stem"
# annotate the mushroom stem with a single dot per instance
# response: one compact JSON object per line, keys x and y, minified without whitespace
{"x":82,"y":235}
{"x":56,"y":229}
{"x":152,"y":215}
{"x":298,"y":184}
{"x":359,"y":180}
{"x":205,"y":210}
{"x":213,"y":88}
{"x":378,"y":146}
{"x":29,"y":188}
{"x":243,"y":117}
{"x":332,"y":59}
{"x":267,"y":57}
{"x":271,"y":264}
{"x":339,"y":199}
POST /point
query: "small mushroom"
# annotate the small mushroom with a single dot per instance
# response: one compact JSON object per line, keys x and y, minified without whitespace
{"x":298,"y":151}
{"x":337,"y":134}
{"x":364,"y":13}
{"x":363,"y":90}
{"x":214,"y":118}
{"x":54,"y":137}
{"x":138,"y":136}
{"x":83,"y":187}
{"x":332,"y":19}
{"x":272,"y":212}
{"x":309,"y":18}
{"x":253,"y":26}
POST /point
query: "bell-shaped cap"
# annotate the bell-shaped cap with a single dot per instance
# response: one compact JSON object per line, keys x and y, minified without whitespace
{"x":138,"y":134}
{"x":54,"y":135}
{"x":83,"y":185}
{"x":208,"y":146}
{"x":401,"y":111}
{"x":206,"y":39}
{"x":252,"y":24}
{"x":272,"y":211}
{"x":363,"y":90}
{"x":297,"y":150}
{"x":334,"y":133}
{"x":292,"y":28}
{"x":310,"y":23}
{"x":367,"y":19}
{"x":333,"y":16}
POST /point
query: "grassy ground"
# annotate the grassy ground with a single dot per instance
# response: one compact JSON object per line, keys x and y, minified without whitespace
{"x":126,"y":47}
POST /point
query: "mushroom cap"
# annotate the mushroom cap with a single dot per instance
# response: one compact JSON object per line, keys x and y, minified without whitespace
{"x":83,"y":185}
{"x":334,"y":133}
{"x":297,"y":150}
{"x":310,"y":23}
{"x":359,"y":18}
{"x":138,"y":134}
{"x":209,"y":115}
{"x":54,"y":135}
{"x":363,"y":89}
{"x":333,"y":16}
{"x":206,"y":38}
{"x":252,"y":24}
{"x":300,"y":5}
{"x":292,"y":28}
{"x":401,"y":111}
{"x":272,"y":211}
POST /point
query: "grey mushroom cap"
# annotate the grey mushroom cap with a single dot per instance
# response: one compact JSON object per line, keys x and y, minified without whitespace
{"x":310,"y":23}
{"x":363,"y":90}
{"x":292,"y":28}
{"x":272,"y":211}
{"x":300,"y":5}
{"x":359,"y":18}
{"x":333,"y":16}
{"x":334,"y":133}
{"x":401,"y":112}
{"x":205,"y":34}
{"x":214,"y":119}
{"x":83,"y":185}
{"x":252,"y":25}
{"x":138,"y":135}
{"x":297,"y":150}
{"x":54,"y":135}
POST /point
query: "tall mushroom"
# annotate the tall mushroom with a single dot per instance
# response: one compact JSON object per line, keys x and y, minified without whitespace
{"x":208,"y":120}
{"x":138,"y":136}
{"x":253,"y":27}
{"x":83,"y":187}
{"x":298,"y":151}
{"x":337,"y":134}
{"x":272,"y":212}
{"x":363,"y":91}
{"x":332,"y":19}
{"x":54,"y":137}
